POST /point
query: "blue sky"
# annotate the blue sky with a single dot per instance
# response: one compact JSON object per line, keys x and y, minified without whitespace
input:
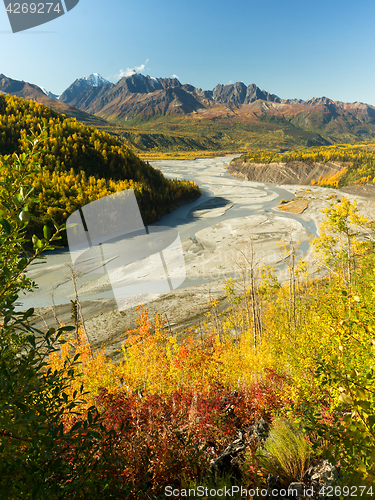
{"x":295,"y":49}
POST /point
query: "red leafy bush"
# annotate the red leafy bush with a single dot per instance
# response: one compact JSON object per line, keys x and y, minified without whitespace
{"x":170,"y":439}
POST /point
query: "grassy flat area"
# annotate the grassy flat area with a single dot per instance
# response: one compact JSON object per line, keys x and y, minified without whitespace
{"x":184,"y":155}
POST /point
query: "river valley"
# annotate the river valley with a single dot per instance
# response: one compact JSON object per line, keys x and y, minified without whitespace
{"x":234,"y":222}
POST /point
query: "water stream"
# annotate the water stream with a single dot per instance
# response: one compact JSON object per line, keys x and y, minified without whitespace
{"x":223,"y":198}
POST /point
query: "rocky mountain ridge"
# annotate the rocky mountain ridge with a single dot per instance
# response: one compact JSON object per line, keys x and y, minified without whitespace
{"x":175,"y":97}
{"x":149,"y":99}
{"x":145,"y":97}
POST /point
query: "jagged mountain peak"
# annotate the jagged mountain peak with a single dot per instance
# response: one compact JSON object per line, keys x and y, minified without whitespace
{"x":231,"y":93}
{"x":139,"y":84}
{"x":81,"y":84}
{"x":144,"y":84}
{"x":238,"y":93}
{"x":96,"y":80}
{"x":319,"y":100}
{"x":169,"y":82}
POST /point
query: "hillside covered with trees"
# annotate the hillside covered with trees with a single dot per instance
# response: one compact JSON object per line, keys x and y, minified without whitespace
{"x":355,"y":164}
{"x":81,"y":164}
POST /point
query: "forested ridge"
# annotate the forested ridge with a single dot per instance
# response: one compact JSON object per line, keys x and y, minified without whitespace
{"x":357,"y":161}
{"x":81,"y":164}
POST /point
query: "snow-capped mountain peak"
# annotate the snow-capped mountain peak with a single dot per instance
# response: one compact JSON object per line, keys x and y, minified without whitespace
{"x":50,"y":94}
{"x":95,"y":80}
{"x":81,"y":84}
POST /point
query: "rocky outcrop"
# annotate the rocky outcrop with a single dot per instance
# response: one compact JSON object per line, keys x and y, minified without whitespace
{"x":238,"y":93}
{"x":318,"y":481}
{"x":235,"y":93}
{"x":296,"y":172}
{"x":229,"y":460}
{"x":258,"y":433}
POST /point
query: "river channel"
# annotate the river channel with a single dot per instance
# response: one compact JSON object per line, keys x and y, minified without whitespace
{"x":214,"y":231}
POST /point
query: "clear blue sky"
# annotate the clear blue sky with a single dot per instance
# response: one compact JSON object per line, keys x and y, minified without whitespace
{"x":295,"y":49}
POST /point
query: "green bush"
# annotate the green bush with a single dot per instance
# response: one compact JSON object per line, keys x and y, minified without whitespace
{"x":346,"y":372}
{"x":42,"y":457}
{"x":286,"y":453}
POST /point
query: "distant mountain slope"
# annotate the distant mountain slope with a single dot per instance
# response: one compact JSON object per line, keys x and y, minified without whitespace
{"x":81,"y":164}
{"x":35,"y":93}
{"x":334,"y":120}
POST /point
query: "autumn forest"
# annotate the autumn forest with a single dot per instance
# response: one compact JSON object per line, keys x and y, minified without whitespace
{"x":275,"y":393}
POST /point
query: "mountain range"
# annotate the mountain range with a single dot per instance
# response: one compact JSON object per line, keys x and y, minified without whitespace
{"x":144,"y":95}
{"x":143,"y":101}
{"x":147,"y":96}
